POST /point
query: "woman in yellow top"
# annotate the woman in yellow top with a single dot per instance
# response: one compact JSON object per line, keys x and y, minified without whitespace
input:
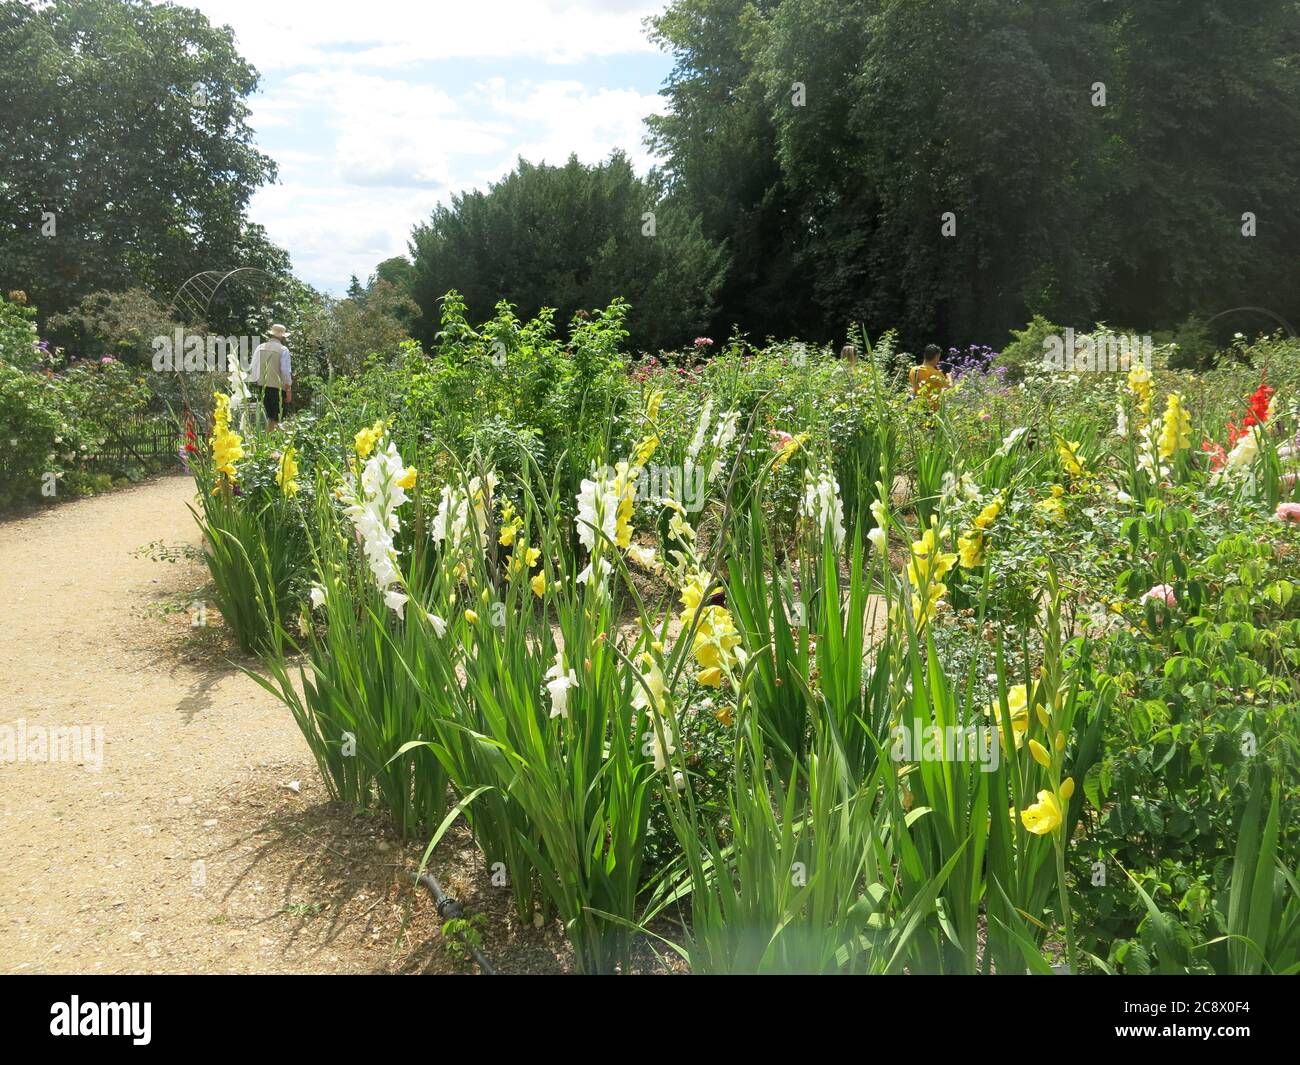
{"x":926,"y":378}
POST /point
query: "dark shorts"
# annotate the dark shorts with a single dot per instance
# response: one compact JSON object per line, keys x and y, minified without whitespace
{"x":273,"y":403}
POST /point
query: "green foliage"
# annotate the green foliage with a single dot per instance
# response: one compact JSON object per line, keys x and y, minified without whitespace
{"x":571,"y":238}
{"x":552,"y":662}
{"x":119,"y":324}
{"x":178,"y":185}
{"x":54,"y":424}
{"x":824,"y":141}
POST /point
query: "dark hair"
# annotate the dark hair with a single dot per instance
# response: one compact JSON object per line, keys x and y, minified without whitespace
{"x":931,"y":350}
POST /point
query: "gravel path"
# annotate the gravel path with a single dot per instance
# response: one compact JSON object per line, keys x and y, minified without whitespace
{"x":179,"y":843}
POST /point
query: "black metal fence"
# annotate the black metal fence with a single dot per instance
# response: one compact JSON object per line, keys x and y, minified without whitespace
{"x":149,"y":439}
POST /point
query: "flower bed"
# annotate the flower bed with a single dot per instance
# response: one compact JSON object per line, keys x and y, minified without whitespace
{"x":622,"y":623}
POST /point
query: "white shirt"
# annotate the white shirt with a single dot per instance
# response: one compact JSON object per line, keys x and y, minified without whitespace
{"x":263,"y":369}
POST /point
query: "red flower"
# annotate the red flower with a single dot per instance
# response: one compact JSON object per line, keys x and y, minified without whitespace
{"x":1217,"y":455}
{"x":1258,"y":404}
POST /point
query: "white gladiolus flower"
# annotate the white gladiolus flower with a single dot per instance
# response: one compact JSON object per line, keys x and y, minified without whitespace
{"x":597,"y":509}
{"x":373,"y":513}
{"x":317,"y":596}
{"x":644,"y":557}
{"x":456,"y":510}
{"x":654,"y":680}
{"x":598,"y":568}
{"x":558,"y":684}
{"x":723,"y":437}
{"x":1011,"y":440}
{"x":439,"y":626}
{"x":661,"y":736}
{"x":1121,"y":420}
{"x":1241,"y":458}
{"x":701,"y":430}
{"x":878,"y":539}
{"x":821,"y":503}
{"x":239,"y":393}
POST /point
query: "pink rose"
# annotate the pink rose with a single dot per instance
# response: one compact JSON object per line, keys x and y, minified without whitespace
{"x":1163,"y":592}
{"x":1288,"y":512}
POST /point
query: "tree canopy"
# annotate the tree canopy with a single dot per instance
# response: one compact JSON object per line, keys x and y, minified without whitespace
{"x":570,"y":237}
{"x":1093,"y":158}
{"x":126,"y":159}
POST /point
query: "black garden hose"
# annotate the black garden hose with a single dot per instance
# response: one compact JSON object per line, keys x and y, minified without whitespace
{"x":450,"y":909}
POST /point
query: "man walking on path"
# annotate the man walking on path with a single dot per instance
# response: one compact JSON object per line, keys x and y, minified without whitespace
{"x":272,"y":371}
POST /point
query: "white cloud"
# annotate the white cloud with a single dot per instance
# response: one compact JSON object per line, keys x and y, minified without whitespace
{"x":556,"y":118}
{"x":386,"y":33}
{"x":390,"y":132}
{"x":334,"y":231}
{"x":373,"y":119}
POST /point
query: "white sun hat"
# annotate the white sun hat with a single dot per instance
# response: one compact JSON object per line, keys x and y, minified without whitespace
{"x":278,"y":331}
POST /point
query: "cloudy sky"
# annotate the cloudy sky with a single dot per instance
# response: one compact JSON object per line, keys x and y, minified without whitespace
{"x":376,"y":111}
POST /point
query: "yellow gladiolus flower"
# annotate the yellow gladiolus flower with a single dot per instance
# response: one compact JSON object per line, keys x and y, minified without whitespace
{"x":1176,"y":428}
{"x":970,"y":550}
{"x":642,"y":453}
{"x":538,"y":585}
{"x":471,"y":616}
{"x":710,"y":678}
{"x":1067,"y":788}
{"x":716,"y":638}
{"x":1044,"y":816}
{"x":1040,"y":754}
{"x":1052,"y":506}
{"x":652,"y":404}
{"x":287,"y":475}
{"x":227,"y":446}
{"x":1139,"y":384}
{"x":698,"y":587}
{"x":366,"y":439}
{"x":1068,"y":450}
{"x":925,"y":573}
{"x":509,"y":531}
{"x":788,"y":448}
{"x":989,"y":514}
{"x":1017,"y":710}
{"x":408,"y":479}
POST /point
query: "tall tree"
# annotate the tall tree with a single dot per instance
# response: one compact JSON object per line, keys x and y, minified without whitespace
{"x":718,"y":140}
{"x":572,"y":238}
{"x":125,"y":154}
{"x":1091,"y":159}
